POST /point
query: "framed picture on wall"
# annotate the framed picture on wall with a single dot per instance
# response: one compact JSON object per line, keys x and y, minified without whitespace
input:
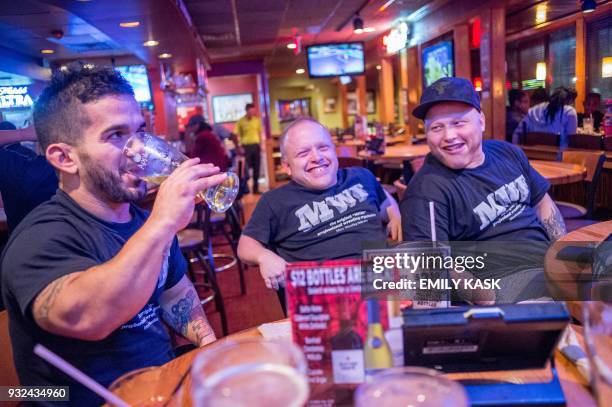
{"x":330,"y":105}
{"x":230,"y":108}
{"x":291,"y":109}
{"x":353,"y":106}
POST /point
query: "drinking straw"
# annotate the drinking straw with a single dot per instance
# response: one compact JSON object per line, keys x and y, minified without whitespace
{"x":79,"y":376}
{"x":432,"y":221}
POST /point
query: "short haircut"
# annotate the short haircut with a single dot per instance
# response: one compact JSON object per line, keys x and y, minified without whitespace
{"x":593,"y":95}
{"x":249,"y":106}
{"x":283,"y":137}
{"x":58,"y":114}
{"x":515,"y":95}
{"x":539,"y":95}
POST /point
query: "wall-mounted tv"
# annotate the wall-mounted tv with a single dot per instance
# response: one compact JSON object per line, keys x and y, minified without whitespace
{"x":325,"y":60}
{"x":437,"y":62}
{"x":136,"y":75}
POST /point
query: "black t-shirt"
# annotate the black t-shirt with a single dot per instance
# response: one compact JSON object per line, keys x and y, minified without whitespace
{"x":495,"y":201}
{"x":26,"y":181}
{"x":301,"y":224}
{"x":60,"y":238}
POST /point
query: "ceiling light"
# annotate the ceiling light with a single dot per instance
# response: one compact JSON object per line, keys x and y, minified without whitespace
{"x":291,"y":45}
{"x":357,"y":25}
{"x":150,"y":43}
{"x":378,"y":67}
{"x":129,"y":24}
{"x":46,"y":51}
{"x":165,"y":55}
{"x":369,"y":29}
{"x":588,"y":6}
{"x":300,"y":71}
{"x":541,"y":10}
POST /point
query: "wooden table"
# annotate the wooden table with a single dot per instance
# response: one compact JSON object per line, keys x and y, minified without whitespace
{"x":573,"y":385}
{"x":564,"y":276}
{"x":558,"y":173}
{"x":553,"y":153}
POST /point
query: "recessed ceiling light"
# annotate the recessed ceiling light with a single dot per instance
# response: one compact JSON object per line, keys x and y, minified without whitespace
{"x":150,"y":43}
{"x":165,"y":55}
{"x":378,"y":67}
{"x":369,"y":29}
{"x":291,"y":45}
{"x":300,"y":71}
{"x":129,"y":24}
{"x":46,"y":51}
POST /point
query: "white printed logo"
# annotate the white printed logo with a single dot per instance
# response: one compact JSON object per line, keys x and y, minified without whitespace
{"x":321,"y":212}
{"x":506,"y":203}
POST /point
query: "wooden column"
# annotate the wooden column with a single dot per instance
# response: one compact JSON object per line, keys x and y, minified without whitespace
{"x":493,"y":72}
{"x":385,"y":86}
{"x":414,"y":87}
{"x":461,"y":42}
{"x":361,"y":95}
{"x":580,"y":63}
{"x":343,"y":104}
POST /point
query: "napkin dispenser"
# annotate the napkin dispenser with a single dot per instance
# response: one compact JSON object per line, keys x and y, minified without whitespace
{"x":476,"y":339}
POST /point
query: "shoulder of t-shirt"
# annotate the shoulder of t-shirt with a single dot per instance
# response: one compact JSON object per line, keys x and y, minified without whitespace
{"x":432,"y":176}
{"x":358,"y":172}
{"x":506,"y":149}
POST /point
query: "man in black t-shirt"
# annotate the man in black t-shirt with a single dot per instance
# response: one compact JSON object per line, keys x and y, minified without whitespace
{"x":482,"y":191}
{"x":323,"y":213}
{"x":88,"y":274}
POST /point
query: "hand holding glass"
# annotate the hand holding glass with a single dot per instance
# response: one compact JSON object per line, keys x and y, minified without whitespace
{"x":153,"y":160}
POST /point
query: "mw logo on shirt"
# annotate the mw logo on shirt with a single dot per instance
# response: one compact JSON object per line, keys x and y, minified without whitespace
{"x":507,"y":202}
{"x":320,"y":211}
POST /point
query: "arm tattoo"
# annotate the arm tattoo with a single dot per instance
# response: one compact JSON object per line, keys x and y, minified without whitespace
{"x":46,"y":299}
{"x":554,"y":225}
{"x":181,"y":312}
{"x":187,"y":315}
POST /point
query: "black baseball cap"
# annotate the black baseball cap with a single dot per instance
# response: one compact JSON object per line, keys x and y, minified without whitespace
{"x":447,"y":90}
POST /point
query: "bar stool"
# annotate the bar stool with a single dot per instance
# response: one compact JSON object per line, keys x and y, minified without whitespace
{"x":218,"y":223}
{"x":191,"y":243}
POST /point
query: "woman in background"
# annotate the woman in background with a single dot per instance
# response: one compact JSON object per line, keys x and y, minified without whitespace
{"x":555,"y":116}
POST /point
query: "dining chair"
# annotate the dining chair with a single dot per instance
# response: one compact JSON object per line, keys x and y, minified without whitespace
{"x":593,"y":162}
{"x":585,"y":141}
{"x":535,"y":138}
{"x":8,"y":374}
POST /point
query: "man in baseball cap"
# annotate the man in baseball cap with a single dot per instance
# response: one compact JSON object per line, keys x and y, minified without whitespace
{"x":481,"y":190}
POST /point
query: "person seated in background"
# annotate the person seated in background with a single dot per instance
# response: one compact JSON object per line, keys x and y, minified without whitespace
{"x":323,"y":213}
{"x":26,"y":178}
{"x":88,"y":274}
{"x":482,"y":191}
{"x":518,"y":106}
{"x":206,"y":145}
{"x":539,"y":95}
{"x":556,"y":116}
{"x":591,"y":104}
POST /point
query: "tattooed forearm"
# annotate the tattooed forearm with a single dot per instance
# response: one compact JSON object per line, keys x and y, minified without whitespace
{"x":554,"y":224}
{"x":202,"y":331}
{"x":188,"y":318}
{"x":46,"y":299}
{"x":180,"y":313}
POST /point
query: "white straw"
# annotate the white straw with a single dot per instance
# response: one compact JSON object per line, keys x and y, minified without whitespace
{"x":432,"y":221}
{"x":79,"y":376}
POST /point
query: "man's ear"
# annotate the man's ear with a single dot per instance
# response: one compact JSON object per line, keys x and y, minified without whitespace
{"x":482,"y":121}
{"x":63,"y":157}
{"x":285,"y":165}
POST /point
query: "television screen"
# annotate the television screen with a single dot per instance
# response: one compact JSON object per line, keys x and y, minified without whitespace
{"x":136,"y":75}
{"x":437,"y":62}
{"x":326,"y":60}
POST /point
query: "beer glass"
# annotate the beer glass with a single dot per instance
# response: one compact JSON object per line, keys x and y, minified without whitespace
{"x":152,"y":159}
